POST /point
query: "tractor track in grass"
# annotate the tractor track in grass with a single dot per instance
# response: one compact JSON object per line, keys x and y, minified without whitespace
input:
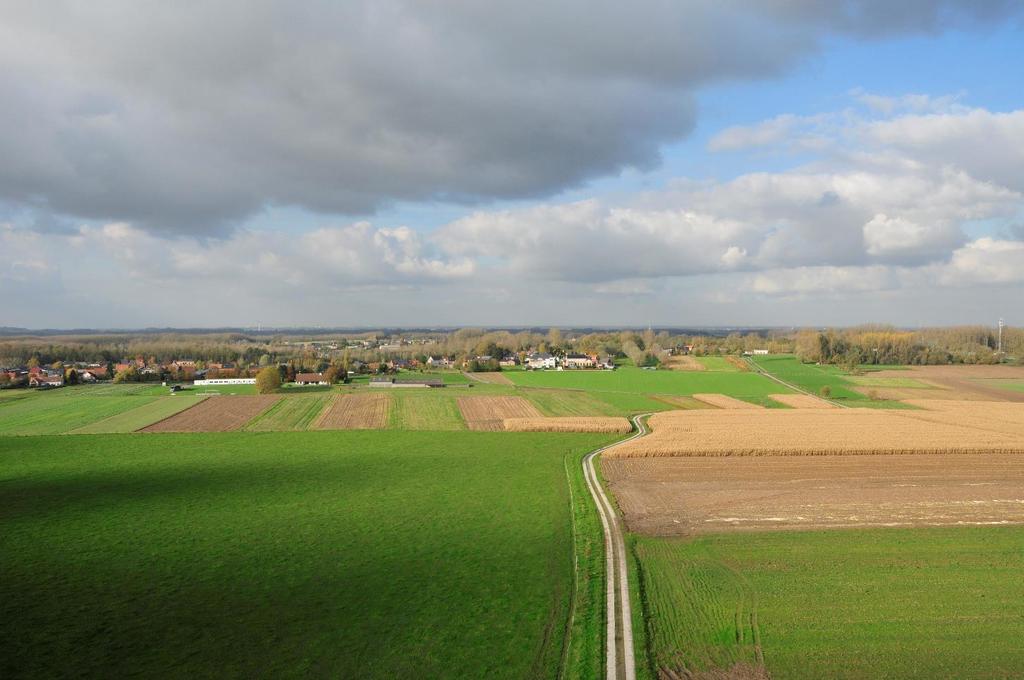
{"x":620,"y":663}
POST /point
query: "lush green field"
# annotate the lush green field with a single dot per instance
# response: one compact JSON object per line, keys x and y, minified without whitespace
{"x":58,"y":411}
{"x":717,"y":364}
{"x":875,"y":381}
{"x":1004,"y":384}
{"x":638,"y":381}
{"x":295,"y":412}
{"x":880,"y":603}
{"x":812,"y":378}
{"x":331,"y":554}
{"x":139,"y":417}
{"x":430,"y":409}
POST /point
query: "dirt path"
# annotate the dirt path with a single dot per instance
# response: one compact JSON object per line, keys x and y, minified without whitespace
{"x":620,"y":662}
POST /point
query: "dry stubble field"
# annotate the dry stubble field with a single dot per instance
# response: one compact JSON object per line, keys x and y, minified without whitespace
{"x":488,"y":414}
{"x":608,"y":424}
{"x":363,"y":411}
{"x":216,"y":414}
{"x":685,"y":496}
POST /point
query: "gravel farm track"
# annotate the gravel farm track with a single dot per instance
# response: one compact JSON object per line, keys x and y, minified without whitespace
{"x":620,"y":663}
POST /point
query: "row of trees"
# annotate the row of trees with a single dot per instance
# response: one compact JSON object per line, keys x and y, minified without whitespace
{"x":886,"y":345}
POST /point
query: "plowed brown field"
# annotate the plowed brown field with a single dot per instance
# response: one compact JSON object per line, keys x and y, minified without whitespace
{"x":216,"y":414}
{"x":684,"y":496}
{"x":609,"y":424}
{"x":725,"y":402}
{"x":683,"y":362}
{"x":491,"y":378}
{"x":364,"y":411}
{"x":829,"y":431}
{"x":489,"y":413}
{"x":801,"y":401}
{"x":963,"y":381}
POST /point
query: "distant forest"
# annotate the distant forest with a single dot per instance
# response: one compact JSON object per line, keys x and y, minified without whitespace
{"x":847,"y":346}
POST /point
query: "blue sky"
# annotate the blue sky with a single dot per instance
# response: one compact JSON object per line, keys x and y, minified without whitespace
{"x":692,"y":164}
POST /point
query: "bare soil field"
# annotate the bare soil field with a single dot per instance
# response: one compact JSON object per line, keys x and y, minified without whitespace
{"x":686,"y":496}
{"x":682,"y":402}
{"x":683,"y":362}
{"x":609,"y":424}
{"x":963,"y":381}
{"x":490,"y":377}
{"x":489,"y":413}
{"x":725,"y":402}
{"x":801,"y":401}
{"x":363,"y":411}
{"x":810,"y":432}
{"x":216,"y":414}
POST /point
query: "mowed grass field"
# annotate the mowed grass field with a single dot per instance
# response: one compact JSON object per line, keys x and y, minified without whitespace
{"x":635,"y":381}
{"x":812,"y":378}
{"x":58,"y":412}
{"x":878,"y":603}
{"x":296,"y":412}
{"x":330,"y":554}
{"x":148,"y":413}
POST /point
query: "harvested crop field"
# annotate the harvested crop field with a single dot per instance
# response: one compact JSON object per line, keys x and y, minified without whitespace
{"x":685,"y":496}
{"x":683,"y":362}
{"x":490,"y":377}
{"x":826,"y":431}
{"x":801,"y":401}
{"x":216,"y":414}
{"x":724,"y":401}
{"x":680,"y":402}
{"x":489,"y":413}
{"x":364,"y":411}
{"x":966,"y":382}
{"x":571,"y":424}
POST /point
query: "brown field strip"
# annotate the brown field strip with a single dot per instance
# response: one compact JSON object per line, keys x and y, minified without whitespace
{"x":216,"y":414}
{"x":740,"y":364}
{"x":489,"y":413}
{"x":685,"y":496}
{"x":807,"y":432}
{"x":682,"y":402}
{"x":491,"y":378}
{"x":801,"y":401}
{"x":963,"y":381}
{"x":725,"y":402}
{"x":609,"y":424}
{"x":364,"y":411}
{"x":683,"y":362}
{"x":995,"y":416}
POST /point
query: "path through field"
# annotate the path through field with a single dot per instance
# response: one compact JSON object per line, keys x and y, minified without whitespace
{"x":620,"y":661}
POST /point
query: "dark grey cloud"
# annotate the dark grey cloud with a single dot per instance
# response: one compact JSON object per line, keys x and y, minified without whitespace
{"x":189,"y":121}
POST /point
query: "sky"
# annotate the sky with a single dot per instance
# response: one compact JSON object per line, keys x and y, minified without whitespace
{"x":429,"y":163}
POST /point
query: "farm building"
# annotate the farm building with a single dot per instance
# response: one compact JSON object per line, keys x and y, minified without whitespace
{"x":578,"y":361}
{"x":541,"y":360}
{"x":383,"y":381}
{"x":509,"y":361}
{"x":310,"y":379}
{"x":43,"y":380}
{"x":225,"y":381}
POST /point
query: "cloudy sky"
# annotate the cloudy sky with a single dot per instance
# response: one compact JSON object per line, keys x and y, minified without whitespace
{"x":428,"y":162}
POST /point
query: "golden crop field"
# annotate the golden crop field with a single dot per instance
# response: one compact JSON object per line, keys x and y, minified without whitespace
{"x":684,"y":362}
{"x":801,"y":401}
{"x":489,"y":413}
{"x":827,"y":431}
{"x":725,"y":402}
{"x":568,"y":424}
{"x":364,"y":411}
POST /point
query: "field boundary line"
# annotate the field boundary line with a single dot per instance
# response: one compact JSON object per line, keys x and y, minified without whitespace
{"x":203,"y":397}
{"x":618,"y":613}
{"x":771,"y":376}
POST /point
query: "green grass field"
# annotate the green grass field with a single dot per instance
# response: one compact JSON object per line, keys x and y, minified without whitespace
{"x":717,"y":364}
{"x":431,"y":409}
{"x":331,"y":554}
{"x":1004,"y":384}
{"x":139,"y":417}
{"x":874,"y":381}
{"x":636,"y":381}
{"x":57,"y":412}
{"x":812,"y":378}
{"x":881,"y":603}
{"x":295,"y":412}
